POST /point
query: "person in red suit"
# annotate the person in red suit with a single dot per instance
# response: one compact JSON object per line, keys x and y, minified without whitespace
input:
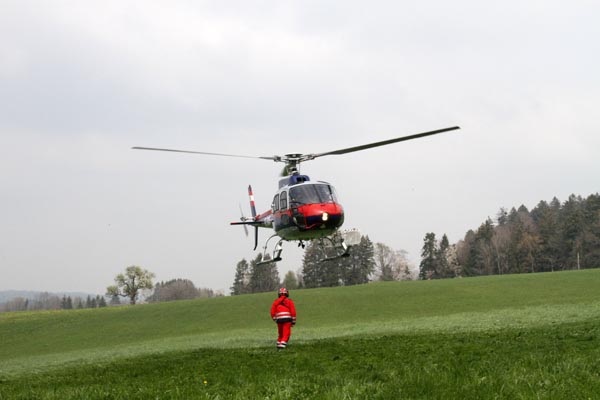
{"x":283,"y":313}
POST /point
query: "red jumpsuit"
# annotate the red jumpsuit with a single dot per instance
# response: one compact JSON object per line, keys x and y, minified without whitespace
{"x":283,"y":312}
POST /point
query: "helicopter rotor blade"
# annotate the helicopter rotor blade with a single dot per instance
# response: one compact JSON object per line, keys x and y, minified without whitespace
{"x":274,"y":158}
{"x":382,"y":143}
{"x":292,"y":161}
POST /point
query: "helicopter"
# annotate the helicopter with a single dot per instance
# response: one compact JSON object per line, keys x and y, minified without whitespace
{"x":302,"y":209}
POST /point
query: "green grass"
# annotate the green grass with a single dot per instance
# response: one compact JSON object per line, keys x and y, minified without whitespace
{"x":518,"y":336}
{"x":559,"y":363}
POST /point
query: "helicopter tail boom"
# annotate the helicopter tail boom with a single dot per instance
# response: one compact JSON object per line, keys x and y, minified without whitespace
{"x":257,"y":221}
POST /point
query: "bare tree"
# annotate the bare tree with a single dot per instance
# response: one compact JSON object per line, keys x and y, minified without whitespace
{"x":17,"y":304}
{"x":501,"y":244}
{"x":404,"y":271}
{"x":385,"y":260}
{"x":391,"y":265}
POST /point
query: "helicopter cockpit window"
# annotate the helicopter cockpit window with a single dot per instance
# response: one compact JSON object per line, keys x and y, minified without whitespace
{"x":275,"y":204}
{"x":311,"y":194}
{"x":283,"y":200}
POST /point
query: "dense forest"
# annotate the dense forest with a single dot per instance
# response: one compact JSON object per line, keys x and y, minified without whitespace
{"x":552,"y":236}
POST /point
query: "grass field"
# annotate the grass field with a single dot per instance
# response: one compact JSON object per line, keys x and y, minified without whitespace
{"x":506,"y":337}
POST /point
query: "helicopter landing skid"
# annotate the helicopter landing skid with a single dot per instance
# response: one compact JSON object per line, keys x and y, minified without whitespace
{"x":276,"y":252}
{"x":341,"y":249}
{"x":344,"y":255}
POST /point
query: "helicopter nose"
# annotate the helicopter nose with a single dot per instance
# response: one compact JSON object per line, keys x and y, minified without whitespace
{"x":326,"y":215}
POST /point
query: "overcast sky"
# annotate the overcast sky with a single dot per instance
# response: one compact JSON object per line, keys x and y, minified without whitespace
{"x":81,"y":82}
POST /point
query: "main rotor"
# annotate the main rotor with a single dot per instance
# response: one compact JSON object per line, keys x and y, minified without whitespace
{"x":292,"y":161}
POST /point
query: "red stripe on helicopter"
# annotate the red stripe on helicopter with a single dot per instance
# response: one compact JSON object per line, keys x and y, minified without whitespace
{"x":252,"y":205}
{"x":264,"y":215}
{"x":311,"y":210}
{"x":320,"y":208}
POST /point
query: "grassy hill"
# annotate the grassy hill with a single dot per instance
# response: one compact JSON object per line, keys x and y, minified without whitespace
{"x":533,"y":335}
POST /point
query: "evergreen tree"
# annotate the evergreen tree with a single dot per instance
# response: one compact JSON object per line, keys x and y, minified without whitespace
{"x":263,"y":277}
{"x":290,"y":281}
{"x":428,"y":266}
{"x":502,"y":216}
{"x":352,"y":270}
{"x":241,"y":281}
{"x":545,"y":219}
{"x":465,"y":250}
{"x":356,"y":269}
{"x":571,"y":225}
{"x":442,"y":258}
{"x":590,"y":239}
{"x":63,"y":302}
{"x":312,"y":265}
{"x":331,"y":273}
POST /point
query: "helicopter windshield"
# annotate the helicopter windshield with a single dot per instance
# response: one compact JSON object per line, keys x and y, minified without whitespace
{"x":312,"y":193}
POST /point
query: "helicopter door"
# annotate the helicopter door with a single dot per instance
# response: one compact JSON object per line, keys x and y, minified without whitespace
{"x":283,"y":203}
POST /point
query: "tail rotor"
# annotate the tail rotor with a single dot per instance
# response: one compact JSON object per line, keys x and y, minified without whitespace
{"x":243,"y":219}
{"x":256,"y":220}
{"x":253,"y":211}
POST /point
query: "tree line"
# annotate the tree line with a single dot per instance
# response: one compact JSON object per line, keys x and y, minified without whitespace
{"x":47,"y":301}
{"x":134,"y":284}
{"x":366,"y":262}
{"x":553,"y":236}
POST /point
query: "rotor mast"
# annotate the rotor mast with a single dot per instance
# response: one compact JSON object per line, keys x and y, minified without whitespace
{"x":292,"y":163}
